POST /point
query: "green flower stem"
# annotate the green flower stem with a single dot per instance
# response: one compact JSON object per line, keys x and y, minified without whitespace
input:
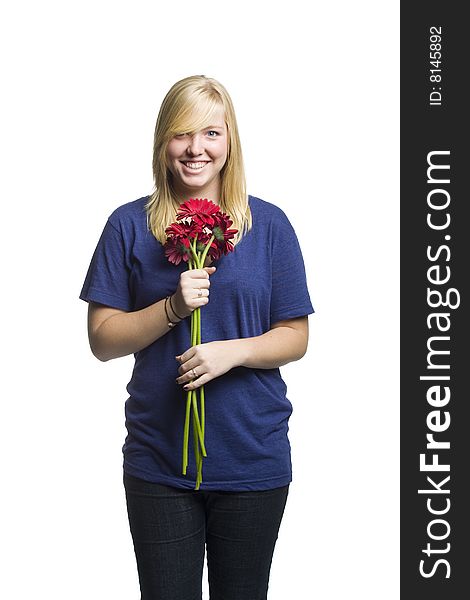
{"x":188,"y":404}
{"x":186,"y":433}
{"x":194,"y":326}
{"x":197,"y":338}
{"x":201,"y":389}
{"x":196,"y":454}
{"x":197,"y":262}
{"x":199,"y":473}
{"x":192,"y":329}
{"x":206,"y":250}
{"x":198,"y":430}
{"x":203,"y":411}
{"x":194,"y":253}
{"x":202,"y":259}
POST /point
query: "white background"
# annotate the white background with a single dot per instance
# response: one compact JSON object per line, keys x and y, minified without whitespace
{"x":315,"y":88}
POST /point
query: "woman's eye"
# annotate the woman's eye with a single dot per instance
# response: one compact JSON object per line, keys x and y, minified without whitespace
{"x":212,"y":133}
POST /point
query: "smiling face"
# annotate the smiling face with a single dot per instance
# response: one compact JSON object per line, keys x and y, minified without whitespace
{"x":196,"y":159}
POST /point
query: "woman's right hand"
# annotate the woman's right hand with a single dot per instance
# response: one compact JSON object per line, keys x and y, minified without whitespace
{"x":187,"y":296}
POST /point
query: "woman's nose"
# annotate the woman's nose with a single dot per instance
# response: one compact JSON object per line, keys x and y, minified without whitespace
{"x":195,"y":145}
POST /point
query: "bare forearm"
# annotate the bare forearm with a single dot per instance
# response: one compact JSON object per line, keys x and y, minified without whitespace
{"x":270,"y":350}
{"x":127,"y":333}
{"x":285,"y":342}
{"x":121,"y":333}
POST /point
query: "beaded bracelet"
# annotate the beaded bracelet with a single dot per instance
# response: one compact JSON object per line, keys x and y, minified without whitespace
{"x":174,"y":312}
{"x":171,"y":323}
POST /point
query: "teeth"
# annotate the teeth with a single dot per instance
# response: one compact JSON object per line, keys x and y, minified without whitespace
{"x":195,"y":165}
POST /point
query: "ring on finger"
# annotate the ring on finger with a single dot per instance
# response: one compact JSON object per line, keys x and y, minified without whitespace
{"x":199,"y":294}
{"x":194,"y":373}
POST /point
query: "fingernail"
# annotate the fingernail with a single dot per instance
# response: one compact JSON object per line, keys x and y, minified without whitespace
{"x":185,"y":387}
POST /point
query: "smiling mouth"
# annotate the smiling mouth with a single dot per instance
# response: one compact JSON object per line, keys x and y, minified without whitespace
{"x":193,"y":165}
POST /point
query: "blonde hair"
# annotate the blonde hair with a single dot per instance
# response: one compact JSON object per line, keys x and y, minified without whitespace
{"x":189,"y":107}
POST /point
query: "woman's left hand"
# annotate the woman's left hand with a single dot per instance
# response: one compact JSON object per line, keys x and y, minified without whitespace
{"x":208,"y":361}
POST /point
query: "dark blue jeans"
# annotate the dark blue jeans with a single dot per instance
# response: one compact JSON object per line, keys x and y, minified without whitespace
{"x":171,"y":527}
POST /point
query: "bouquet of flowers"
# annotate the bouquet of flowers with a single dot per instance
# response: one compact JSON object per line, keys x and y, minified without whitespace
{"x":201,"y":230}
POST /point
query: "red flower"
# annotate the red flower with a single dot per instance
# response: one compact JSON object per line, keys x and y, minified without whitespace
{"x":177,"y":248}
{"x":201,"y":211}
{"x":202,"y":219}
{"x":187,"y":230}
{"x":222,"y":235}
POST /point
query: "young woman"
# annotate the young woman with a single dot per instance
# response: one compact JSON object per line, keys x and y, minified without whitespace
{"x":255,"y":322}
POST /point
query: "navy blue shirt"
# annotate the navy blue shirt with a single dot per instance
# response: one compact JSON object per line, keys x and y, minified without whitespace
{"x":261,"y":282}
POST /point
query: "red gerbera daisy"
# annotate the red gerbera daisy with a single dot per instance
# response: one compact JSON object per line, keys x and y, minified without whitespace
{"x":177,"y":248}
{"x":222,"y":234}
{"x":202,"y":211}
{"x":187,"y":230}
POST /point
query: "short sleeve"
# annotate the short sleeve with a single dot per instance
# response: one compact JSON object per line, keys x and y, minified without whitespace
{"x":289,"y":296}
{"x":107,"y":279}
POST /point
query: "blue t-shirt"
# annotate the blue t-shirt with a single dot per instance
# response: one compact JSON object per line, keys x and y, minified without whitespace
{"x":261,"y":282}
